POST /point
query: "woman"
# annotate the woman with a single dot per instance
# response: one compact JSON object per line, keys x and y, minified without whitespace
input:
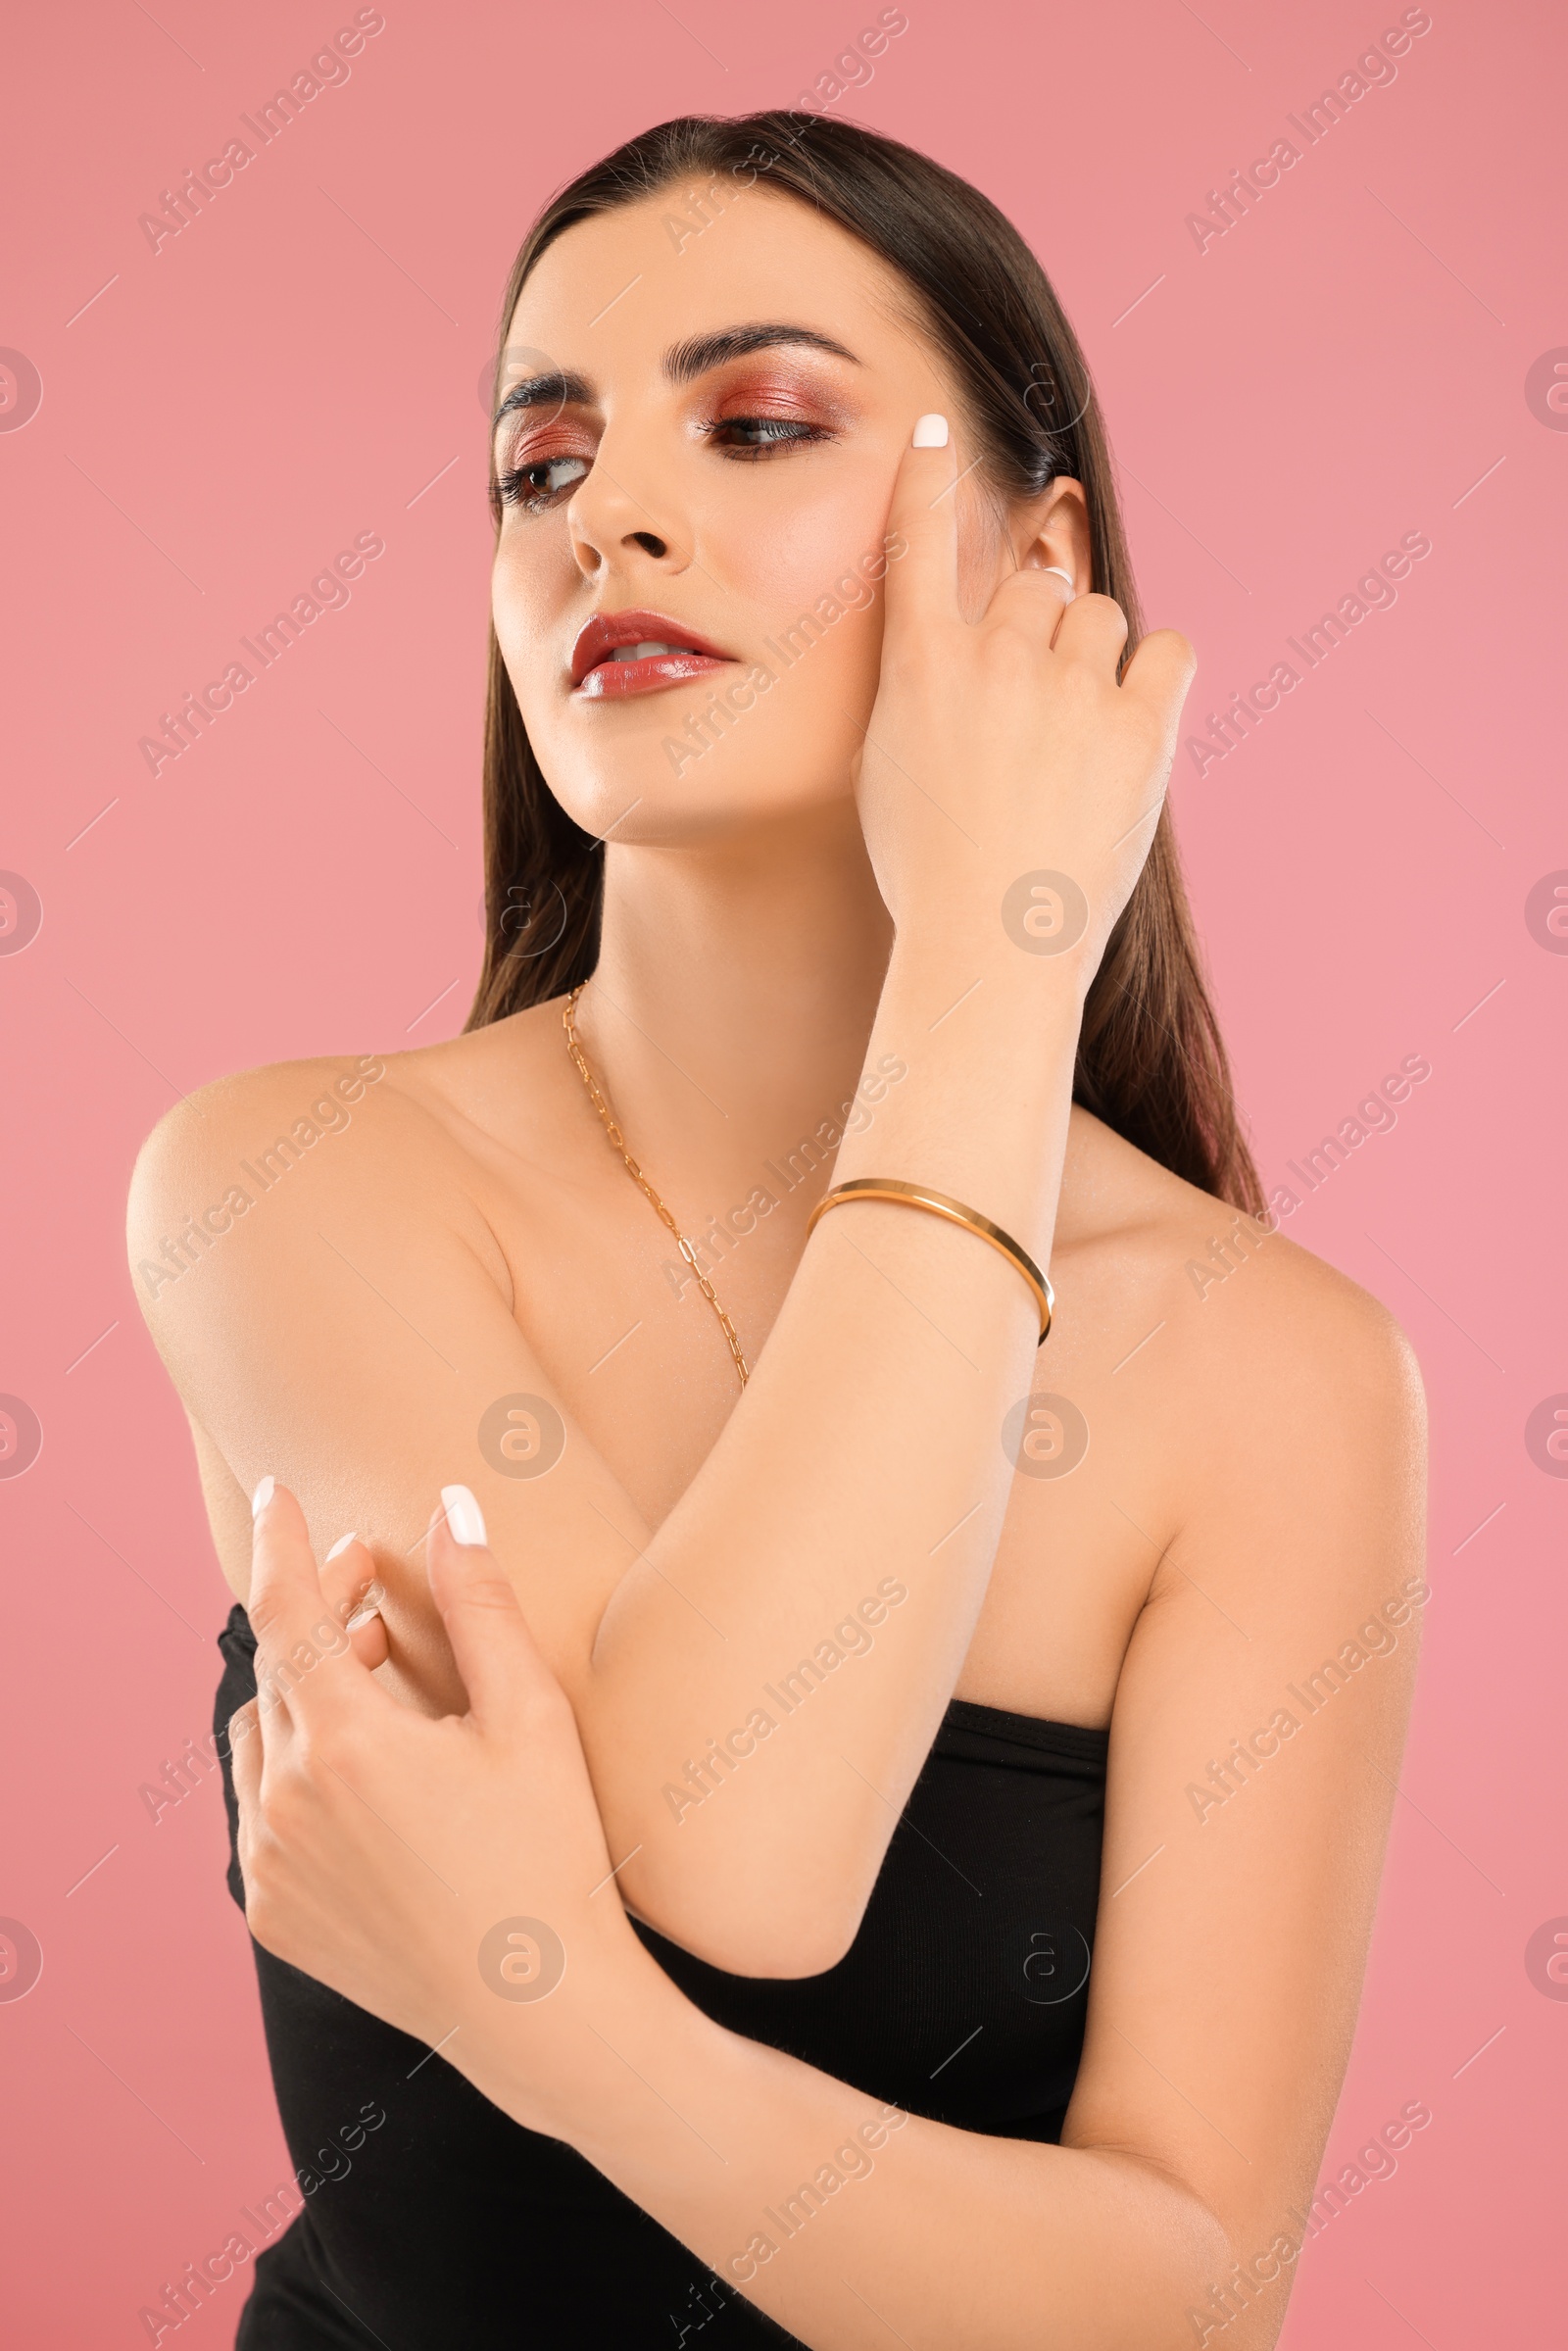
{"x":849,"y":1656}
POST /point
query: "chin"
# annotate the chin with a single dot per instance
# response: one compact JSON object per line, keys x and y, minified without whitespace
{"x":641,"y":804}
{"x":637,"y":775}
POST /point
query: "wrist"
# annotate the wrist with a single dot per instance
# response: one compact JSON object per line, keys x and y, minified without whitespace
{"x":942,"y":957}
{"x":986,"y":1034}
{"x":574,"y":2066}
{"x":987,"y":1053}
{"x":659,"y":2051}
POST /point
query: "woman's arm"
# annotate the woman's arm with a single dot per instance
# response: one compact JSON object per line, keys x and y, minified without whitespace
{"x":1228,"y":1959}
{"x":355,"y":1343}
{"x":351,"y":1331}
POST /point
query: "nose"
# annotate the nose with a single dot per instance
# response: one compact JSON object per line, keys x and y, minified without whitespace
{"x":616,"y":523}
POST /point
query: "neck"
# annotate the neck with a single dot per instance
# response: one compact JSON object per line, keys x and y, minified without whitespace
{"x":735,"y":992}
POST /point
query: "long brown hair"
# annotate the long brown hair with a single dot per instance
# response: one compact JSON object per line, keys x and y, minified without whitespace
{"x":1151,"y":1060}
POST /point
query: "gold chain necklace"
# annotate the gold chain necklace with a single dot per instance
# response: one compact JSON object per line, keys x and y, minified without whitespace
{"x":619,"y":1142}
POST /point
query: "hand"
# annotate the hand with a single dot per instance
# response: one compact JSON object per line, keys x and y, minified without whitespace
{"x":439,"y":1873}
{"x":1006,"y":746}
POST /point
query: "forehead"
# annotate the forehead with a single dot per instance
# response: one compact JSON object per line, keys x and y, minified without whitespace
{"x":617,"y":290}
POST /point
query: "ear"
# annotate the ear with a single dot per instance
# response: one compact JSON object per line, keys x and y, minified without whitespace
{"x":1052,"y":531}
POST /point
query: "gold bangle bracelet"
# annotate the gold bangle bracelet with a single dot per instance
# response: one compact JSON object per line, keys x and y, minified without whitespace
{"x":918,"y":1196}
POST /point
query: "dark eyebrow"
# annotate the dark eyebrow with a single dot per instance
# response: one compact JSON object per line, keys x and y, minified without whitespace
{"x":683,"y":362}
{"x":557,"y":390}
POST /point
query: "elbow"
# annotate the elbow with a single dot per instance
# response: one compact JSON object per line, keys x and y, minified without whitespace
{"x":750,"y":1879}
{"x":791,"y":1923}
{"x":1181,"y":2261}
{"x":808,"y":1942}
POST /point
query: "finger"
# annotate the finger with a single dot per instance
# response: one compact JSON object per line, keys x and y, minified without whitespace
{"x":245,"y":1756}
{"x":354,"y":1594}
{"x":497,"y":1657}
{"x":922,"y":532}
{"x":1160,"y":673}
{"x":1032,"y":596}
{"x":295,"y":1629}
{"x":1094,"y":628}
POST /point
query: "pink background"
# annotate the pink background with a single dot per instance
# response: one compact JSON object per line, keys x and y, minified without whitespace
{"x":1346,"y":365}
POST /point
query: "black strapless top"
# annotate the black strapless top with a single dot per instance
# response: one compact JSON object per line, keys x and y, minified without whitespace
{"x":430,"y":2219}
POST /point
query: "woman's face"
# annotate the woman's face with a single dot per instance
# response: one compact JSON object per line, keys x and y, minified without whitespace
{"x":737,"y":401}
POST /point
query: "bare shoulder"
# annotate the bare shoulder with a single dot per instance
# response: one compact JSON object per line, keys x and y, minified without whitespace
{"x":247,"y":1113}
{"x":1188,"y":1251}
{"x":250,"y":1132}
{"x":391,"y":1137}
{"x":1265,"y":1362}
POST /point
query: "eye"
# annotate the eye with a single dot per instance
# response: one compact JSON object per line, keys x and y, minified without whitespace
{"x":759,"y":436}
{"x":533,"y":488}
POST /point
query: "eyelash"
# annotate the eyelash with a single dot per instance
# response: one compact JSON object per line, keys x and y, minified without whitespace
{"x":789,"y":432}
{"x":784,"y":434}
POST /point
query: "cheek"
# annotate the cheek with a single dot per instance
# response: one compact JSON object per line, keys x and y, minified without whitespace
{"x":805,"y":548}
{"x":803,"y":574}
{"x":531,"y":587}
{"x":773,"y":545}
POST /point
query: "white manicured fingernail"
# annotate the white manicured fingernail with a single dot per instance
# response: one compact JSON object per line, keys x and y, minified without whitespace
{"x":464,"y":1515}
{"x":930,"y":433}
{"x":341,"y":1545}
{"x":367,"y":1607}
{"x":1057,"y":572}
{"x":261,"y":1496}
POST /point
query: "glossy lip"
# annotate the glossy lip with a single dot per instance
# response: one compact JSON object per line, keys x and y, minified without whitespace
{"x":596,"y":677}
